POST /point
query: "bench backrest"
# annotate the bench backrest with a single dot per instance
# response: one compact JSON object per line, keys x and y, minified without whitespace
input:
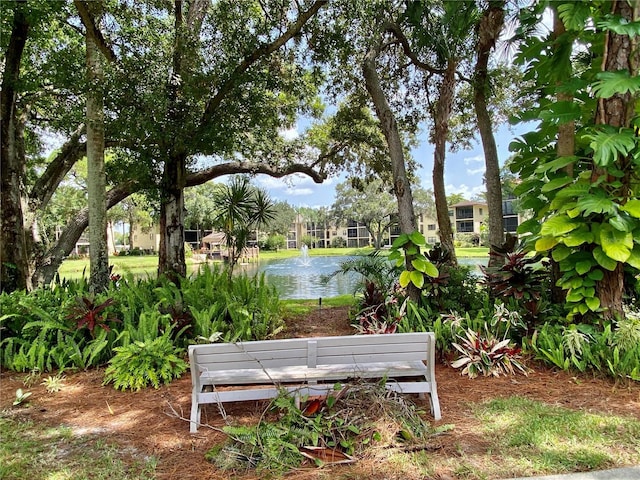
{"x":313,"y":351}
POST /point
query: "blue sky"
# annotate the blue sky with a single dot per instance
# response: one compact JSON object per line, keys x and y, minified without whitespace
{"x":464,"y":172}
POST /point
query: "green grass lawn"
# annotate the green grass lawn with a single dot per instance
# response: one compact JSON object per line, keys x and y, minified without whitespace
{"x":148,"y":264}
{"x":38,"y":452}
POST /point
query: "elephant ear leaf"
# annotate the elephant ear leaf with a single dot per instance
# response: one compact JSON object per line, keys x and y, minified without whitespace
{"x":632,"y":207}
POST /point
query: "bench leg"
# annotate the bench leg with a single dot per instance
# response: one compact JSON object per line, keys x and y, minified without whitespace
{"x":196,"y":411}
{"x":435,"y":403}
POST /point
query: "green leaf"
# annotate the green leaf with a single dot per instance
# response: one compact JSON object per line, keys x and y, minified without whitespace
{"x":593,"y":303}
{"x":596,"y":204}
{"x":596,"y":275}
{"x":620,"y":25}
{"x":559,"y":113}
{"x":616,"y":244}
{"x":419,"y":263}
{"x":560,"y":253}
{"x":545,"y":243}
{"x":632,"y":207}
{"x":558,"y":225}
{"x":603,"y":260}
{"x":634,"y":257}
{"x":417,"y":278}
{"x":431,"y":270}
{"x":608,"y":146}
{"x":575,"y":295}
{"x":574,"y":15}
{"x":405,"y":278}
{"x":578,"y":237}
{"x":610,"y":83}
{"x":583,"y":267}
{"x":574,"y":190}
{"x":557,"y":164}
{"x":555,"y":184}
{"x":403,"y":239}
{"x":623,"y":224}
{"x":418,"y":239}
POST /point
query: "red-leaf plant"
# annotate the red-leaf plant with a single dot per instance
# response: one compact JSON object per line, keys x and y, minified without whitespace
{"x":86,"y":313}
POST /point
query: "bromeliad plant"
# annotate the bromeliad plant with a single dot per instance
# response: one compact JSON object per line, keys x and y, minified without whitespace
{"x":87,"y":313}
{"x":487,"y":352}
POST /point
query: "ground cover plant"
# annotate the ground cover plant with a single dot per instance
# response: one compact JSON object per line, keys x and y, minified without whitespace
{"x":63,"y":329}
{"x":141,"y":425}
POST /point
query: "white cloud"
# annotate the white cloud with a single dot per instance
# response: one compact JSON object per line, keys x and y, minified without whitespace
{"x":475,"y":159}
{"x":465,"y":190}
{"x":475,"y":171}
{"x":298,"y":192}
{"x":290,"y":133}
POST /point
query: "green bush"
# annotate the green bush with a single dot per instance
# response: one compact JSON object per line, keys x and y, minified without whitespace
{"x":612,"y":350}
{"x":274,"y":242}
{"x":47,"y":330}
{"x":338,"y":242}
{"x":143,"y":363}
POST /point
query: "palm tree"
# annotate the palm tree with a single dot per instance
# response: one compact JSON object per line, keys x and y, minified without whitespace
{"x":242,"y":208}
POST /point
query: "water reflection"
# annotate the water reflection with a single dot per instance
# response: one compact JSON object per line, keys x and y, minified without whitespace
{"x":303,"y":277}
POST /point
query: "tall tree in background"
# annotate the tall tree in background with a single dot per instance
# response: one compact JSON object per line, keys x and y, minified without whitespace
{"x":370,"y":204}
{"x":15,"y":268}
{"x":489,"y":28}
{"x":91,"y":15}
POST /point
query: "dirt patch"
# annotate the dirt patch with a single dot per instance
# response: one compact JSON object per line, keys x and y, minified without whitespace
{"x":143,"y":421}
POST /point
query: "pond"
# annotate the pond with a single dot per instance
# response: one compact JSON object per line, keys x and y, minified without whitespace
{"x":303,"y":277}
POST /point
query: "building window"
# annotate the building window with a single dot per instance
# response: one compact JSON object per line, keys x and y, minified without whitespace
{"x":510,"y":224}
{"x":450,"y":212}
{"x":480,"y":211}
{"x":464,"y":227}
{"x":508,"y":207}
{"x":432,"y":240}
{"x":431,"y":227}
{"x":464,"y":212}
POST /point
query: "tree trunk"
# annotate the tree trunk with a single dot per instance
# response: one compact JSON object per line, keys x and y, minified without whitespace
{"x":489,"y":31}
{"x":441,"y":120}
{"x":401,"y":185}
{"x":565,"y":147}
{"x":15,"y":273}
{"x":96,"y":179}
{"x":621,"y":53}
{"x":171,"y":261}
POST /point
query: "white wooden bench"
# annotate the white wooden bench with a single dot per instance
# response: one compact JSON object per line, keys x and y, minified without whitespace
{"x":299,"y":365}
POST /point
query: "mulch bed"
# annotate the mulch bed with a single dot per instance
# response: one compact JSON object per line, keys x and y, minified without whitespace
{"x":143,"y":422}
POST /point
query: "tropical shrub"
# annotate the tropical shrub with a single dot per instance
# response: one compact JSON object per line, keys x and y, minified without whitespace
{"x":338,"y":242}
{"x":64,"y":327}
{"x":612,"y":350}
{"x":487,"y":350}
{"x":143,"y":363}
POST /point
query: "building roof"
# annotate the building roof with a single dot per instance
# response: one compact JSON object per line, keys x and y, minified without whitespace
{"x":214,"y":238}
{"x":468,"y":204}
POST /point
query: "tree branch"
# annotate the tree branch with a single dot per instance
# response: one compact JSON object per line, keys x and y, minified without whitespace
{"x":47,"y":183}
{"x":406,"y":48}
{"x":214,"y":103}
{"x":198,"y":178}
{"x":93,"y":31}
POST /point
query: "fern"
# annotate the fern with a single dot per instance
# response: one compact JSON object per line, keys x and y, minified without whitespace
{"x":143,"y":363}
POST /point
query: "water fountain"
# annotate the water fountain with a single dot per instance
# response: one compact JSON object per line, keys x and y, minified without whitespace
{"x":304,"y":256}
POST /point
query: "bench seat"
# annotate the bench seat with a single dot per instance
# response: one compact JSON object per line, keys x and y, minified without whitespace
{"x":259,"y":370}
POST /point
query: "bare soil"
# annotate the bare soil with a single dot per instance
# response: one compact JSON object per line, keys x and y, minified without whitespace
{"x":143,"y":422}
